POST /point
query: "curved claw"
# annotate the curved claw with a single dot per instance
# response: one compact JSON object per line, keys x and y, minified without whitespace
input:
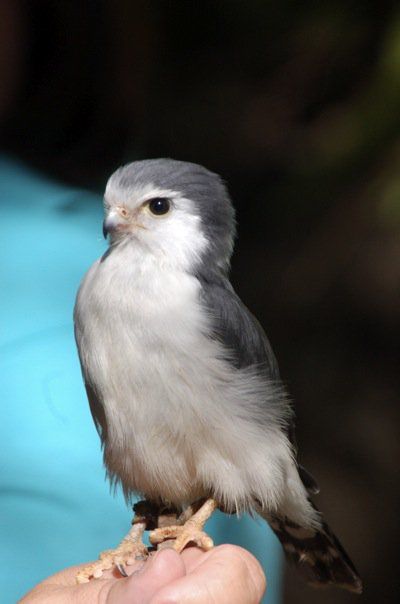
{"x":130,"y":549}
{"x":121,"y":570}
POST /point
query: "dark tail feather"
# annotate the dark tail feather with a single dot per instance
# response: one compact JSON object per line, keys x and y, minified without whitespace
{"x":317,"y":554}
{"x":308,"y":480}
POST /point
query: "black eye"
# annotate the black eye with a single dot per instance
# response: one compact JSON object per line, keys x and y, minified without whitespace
{"x":159,"y":205}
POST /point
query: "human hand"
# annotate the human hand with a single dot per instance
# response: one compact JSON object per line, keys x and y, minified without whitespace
{"x":227,"y":574}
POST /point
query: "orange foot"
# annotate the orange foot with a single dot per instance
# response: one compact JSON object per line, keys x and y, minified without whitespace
{"x":128,"y":551}
{"x":190,"y":531}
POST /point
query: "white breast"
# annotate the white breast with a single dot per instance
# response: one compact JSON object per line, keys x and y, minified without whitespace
{"x":182,"y":423}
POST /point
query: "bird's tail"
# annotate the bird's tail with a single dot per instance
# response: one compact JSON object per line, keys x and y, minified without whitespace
{"x":317,"y":554}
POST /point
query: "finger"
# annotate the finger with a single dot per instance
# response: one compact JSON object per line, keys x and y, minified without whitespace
{"x":227,"y":574}
{"x":67,"y":576}
{"x":165,"y":566}
{"x":193,"y":556}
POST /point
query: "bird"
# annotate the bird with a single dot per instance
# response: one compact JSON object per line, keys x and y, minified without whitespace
{"x":182,"y":382}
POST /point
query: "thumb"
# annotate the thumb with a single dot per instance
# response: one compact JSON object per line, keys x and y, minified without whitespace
{"x":160,"y":569}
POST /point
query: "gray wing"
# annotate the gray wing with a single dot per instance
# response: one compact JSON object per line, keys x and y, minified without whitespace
{"x":237,"y":329}
{"x":245,"y":341}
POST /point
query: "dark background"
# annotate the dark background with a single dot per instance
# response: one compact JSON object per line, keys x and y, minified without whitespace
{"x":297,"y":106}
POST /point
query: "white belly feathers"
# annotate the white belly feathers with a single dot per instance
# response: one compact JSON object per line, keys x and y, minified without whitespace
{"x":182,"y":423}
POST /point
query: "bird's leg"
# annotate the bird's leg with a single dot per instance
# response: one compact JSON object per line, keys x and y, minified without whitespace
{"x":127,"y":552}
{"x":189,"y":528}
{"x":147,"y":516}
{"x":154,"y":515}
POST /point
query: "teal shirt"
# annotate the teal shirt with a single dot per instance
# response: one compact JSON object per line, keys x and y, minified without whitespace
{"x":56,"y":508}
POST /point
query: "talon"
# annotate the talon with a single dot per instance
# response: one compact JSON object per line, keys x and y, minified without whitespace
{"x":130,"y":549}
{"x":121,"y":570}
{"x":190,"y":531}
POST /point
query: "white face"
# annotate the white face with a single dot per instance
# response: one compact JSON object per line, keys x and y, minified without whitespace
{"x":162,"y":222}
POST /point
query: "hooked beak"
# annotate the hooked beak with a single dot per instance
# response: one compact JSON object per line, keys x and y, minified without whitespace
{"x":110,"y":224}
{"x":113,"y":224}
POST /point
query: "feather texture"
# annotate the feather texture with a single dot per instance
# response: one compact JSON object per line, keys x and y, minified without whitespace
{"x":182,"y":382}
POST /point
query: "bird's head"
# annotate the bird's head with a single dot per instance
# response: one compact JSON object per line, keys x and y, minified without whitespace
{"x":177,"y":210}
